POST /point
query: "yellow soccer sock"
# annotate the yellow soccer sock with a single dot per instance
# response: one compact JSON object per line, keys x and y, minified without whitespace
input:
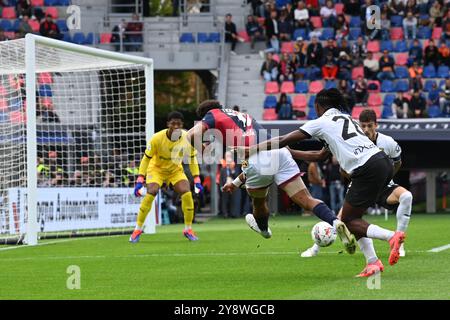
{"x":146,"y":206}
{"x":187,"y":205}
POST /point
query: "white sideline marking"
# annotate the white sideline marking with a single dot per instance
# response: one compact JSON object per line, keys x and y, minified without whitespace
{"x":439,"y":249}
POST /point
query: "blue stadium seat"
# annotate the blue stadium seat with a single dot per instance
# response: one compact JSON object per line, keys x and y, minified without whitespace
{"x":443,"y":72}
{"x":354,"y":33}
{"x":62,"y":25}
{"x":387,"y":86}
{"x":313,"y":73}
{"x":424,"y":16}
{"x":4,"y":117}
{"x":327,"y":33}
{"x":401,"y":46}
{"x":214,"y":37}
{"x":67,"y":37}
{"x":302,"y":71}
{"x":15,"y":104}
{"x":330,"y":84}
{"x":79,"y":38}
{"x":312,"y":113}
{"x":424,"y":33}
{"x":90,"y":39}
{"x":270,"y":102}
{"x":45,"y":91}
{"x":434,"y":112}
{"x":355,"y":22}
{"x":396,"y":21}
{"x":202,"y":37}
{"x":301,"y":87}
{"x":281,"y":3}
{"x":402,"y":86}
{"x":301,"y":33}
{"x":312,"y":100}
{"x":429,"y":71}
{"x":386,"y":45}
{"x":187,"y":38}
{"x":6,"y":25}
{"x":401,"y":73}
{"x":51,"y":3}
{"x":64,"y":3}
{"x":428,"y":85}
{"x":387,"y":112}
{"x":388,"y":99}
{"x":15,"y":25}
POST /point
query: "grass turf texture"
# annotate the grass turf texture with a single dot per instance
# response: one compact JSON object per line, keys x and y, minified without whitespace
{"x":229,"y":262}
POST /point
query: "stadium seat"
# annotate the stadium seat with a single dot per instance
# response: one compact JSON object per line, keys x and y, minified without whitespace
{"x":4,"y":117}
{"x":316,"y":22}
{"x":301,"y":87}
{"x":357,"y":71}
{"x":299,"y":102}
{"x":373,"y":46}
{"x":62,"y":25}
{"x":429,"y":71}
{"x":37,"y":3}
{"x":45,"y":78}
{"x":313,"y":73}
{"x":3,"y":105}
{"x":339,"y":8}
{"x":312,"y":113}
{"x":64,"y":3}
{"x":272,"y":87}
{"x":45,"y":91}
{"x":396,"y":21}
{"x":388,"y":99}
{"x":105,"y":38}
{"x":424,"y":33}
{"x":187,"y":38}
{"x":47,"y":102}
{"x":270,"y":102}
{"x":357,"y":111}
{"x":387,"y":86}
{"x":287,"y":87}
{"x":330,"y":84}
{"x":396,"y":33}
{"x":270,"y":114}
{"x":377,"y":110}
{"x":91,"y":38}
{"x":202,"y":37}
{"x":401,"y":46}
{"x":315,"y":86}
{"x":401,"y":59}
{"x":434,"y":112}
{"x":387,"y":112}
{"x":437,"y":33}
{"x":34,"y":24}
{"x":374,"y":99}
{"x":52,"y":11}
{"x":16,"y":25}
{"x":302,"y":71}
{"x":428,"y":85}
{"x":214,"y":37}
{"x":79,"y":38}
{"x":443,"y":72}
{"x":355,"y":22}
{"x":301,"y":33}
{"x":402,"y":86}
{"x":377,"y":83}
{"x":287,"y":47}
{"x":401,"y":72}
{"x":11,"y":35}
{"x":17,"y":117}
{"x":354,"y":33}
{"x":327,"y":33}
{"x":3,"y":91}
{"x":312,"y":100}
{"x":6,"y":25}
{"x":387,"y":45}
{"x":67,"y":37}
{"x":243,"y":34}
{"x":9,"y":13}
{"x":50,"y":3}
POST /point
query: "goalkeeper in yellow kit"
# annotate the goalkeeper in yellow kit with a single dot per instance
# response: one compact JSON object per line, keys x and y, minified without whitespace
{"x":162,"y":163}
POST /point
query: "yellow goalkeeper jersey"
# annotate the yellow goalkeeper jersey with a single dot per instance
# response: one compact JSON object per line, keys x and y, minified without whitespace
{"x":167,"y":156}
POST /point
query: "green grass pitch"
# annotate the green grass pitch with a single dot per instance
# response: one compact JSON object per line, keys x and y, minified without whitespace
{"x":229,"y":262}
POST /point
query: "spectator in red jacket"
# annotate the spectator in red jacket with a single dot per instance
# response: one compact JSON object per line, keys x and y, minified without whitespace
{"x":49,"y":28}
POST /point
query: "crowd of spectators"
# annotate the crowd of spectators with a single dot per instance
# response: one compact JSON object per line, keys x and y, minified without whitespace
{"x":325,"y":40}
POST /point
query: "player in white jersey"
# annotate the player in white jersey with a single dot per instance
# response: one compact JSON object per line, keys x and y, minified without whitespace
{"x":369,"y":167}
{"x":393,"y":197}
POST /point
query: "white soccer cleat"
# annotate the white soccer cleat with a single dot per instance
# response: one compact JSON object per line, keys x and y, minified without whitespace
{"x":402,"y":251}
{"x":309,"y":253}
{"x":347,"y":238}
{"x":254,"y":226}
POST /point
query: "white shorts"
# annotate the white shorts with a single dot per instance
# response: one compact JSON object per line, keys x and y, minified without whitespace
{"x":267,"y":167}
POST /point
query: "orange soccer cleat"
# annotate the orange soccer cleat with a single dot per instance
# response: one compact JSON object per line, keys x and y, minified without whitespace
{"x":135,"y":236}
{"x":190,"y":235}
{"x":395,"y":243}
{"x":371,"y":269}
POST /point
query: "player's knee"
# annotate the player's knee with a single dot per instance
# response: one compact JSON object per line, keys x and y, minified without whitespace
{"x":187,"y":195}
{"x":153,"y":190}
{"x":406,"y":198}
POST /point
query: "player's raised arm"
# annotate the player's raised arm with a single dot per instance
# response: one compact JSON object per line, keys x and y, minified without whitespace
{"x":312,"y":156}
{"x":277,"y":142}
{"x":195,"y":170}
{"x":195,"y":136}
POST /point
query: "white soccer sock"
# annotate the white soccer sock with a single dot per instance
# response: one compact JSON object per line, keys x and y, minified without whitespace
{"x":186,"y":227}
{"x":315,"y":248}
{"x":404,"y":211}
{"x":376,"y":232}
{"x":138,"y":228}
{"x":367,"y":248}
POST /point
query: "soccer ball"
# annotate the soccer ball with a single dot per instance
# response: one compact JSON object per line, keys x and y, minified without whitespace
{"x":323,"y":234}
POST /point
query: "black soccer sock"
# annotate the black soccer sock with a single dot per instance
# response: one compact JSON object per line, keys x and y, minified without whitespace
{"x":262,"y":222}
{"x":324,"y":213}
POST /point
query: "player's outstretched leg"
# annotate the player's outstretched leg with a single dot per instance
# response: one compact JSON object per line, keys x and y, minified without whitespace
{"x":259,"y":220}
{"x":311,"y":252}
{"x":144,"y":209}
{"x":374,"y":265}
{"x":403,"y":212}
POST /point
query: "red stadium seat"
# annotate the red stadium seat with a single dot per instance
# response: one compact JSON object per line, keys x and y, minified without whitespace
{"x":3,"y":91}
{"x":357,"y":71}
{"x":272,"y":87}
{"x":373,"y":46}
{"x":34,"y":24}
{"x":52,"y":11}
{"x":374,"y":100}
{"x":287,"y":47}
{"x":401,"y":59}
{"x":17,"y":117}
{"x":357,"y":111}
{"x":375,"y":82}
{"x":270,"y":114}
{"x":437,"y":33}
{"x":105,"y":37}
{"x":47,"y":102}
{"x":377,"y":109}
{"x":45,"y":78}
{"x":243,"y":34}
{"x":339,"y":8}
{"x":315,"y":86}
{"x":3,"y":105}
{"x":9,"y":13}
{"x":316,"y":22}
{"x":287,"y":87}
{"x":37,"y":3}
{"x":299,"y":102}
{"x":397,"y":33}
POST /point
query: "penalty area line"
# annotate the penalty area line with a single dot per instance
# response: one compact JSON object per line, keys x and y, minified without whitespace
{"x":441,"y":248}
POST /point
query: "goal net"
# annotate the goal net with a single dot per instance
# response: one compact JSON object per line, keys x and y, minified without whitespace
{"x":74,"y":122}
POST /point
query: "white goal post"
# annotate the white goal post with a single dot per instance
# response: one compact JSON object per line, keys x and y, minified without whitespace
{"x":72,"y":119}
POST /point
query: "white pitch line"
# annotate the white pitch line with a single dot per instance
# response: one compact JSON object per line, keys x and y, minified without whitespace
{"x":439,"y":249}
